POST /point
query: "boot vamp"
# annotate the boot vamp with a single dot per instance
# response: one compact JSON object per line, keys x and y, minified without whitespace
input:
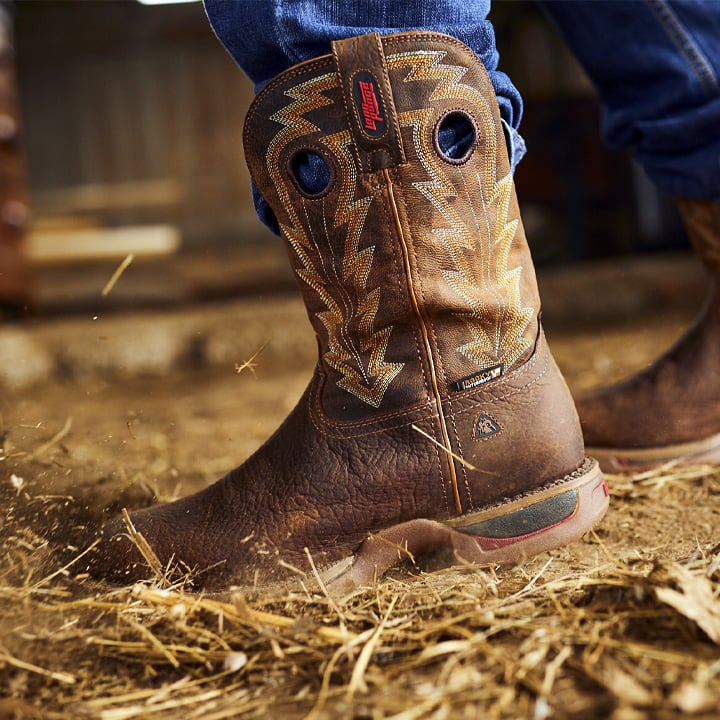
{"x":675,"y":400}
{"x":314,"y":484}
{"x":326,"y":485}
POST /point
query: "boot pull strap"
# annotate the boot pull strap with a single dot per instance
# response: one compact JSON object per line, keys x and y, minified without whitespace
{"x":368,"y":102}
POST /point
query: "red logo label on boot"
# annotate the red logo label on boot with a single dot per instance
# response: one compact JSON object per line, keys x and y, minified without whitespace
{"x":368,"y":101}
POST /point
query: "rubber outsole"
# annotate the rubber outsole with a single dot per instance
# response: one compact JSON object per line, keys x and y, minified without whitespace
{"x":629,"y":460}
{"x":507,"y":533}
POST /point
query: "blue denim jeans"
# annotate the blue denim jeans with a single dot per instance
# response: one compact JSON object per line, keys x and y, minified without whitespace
{"x":655,"y":64}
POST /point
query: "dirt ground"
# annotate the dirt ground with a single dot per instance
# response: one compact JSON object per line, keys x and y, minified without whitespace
{"x":625,"y":624}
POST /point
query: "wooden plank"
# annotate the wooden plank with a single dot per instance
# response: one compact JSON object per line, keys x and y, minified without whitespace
{"x":113,"y":196}
{"x":64,"y":223}
{"x":102,"y":244}
{"x":15,"y":289}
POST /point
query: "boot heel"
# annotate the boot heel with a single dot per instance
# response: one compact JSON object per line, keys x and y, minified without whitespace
{"x":507,"y":533}
{"x":539,"y":521}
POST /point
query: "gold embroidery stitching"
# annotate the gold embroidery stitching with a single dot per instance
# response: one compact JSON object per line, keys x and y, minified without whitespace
{"x":366,"y":380}
{"x":497,"y":328}
{"x":356,"y":269}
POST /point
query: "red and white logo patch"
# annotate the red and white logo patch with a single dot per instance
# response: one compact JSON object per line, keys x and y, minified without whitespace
{"x":368,"y":101}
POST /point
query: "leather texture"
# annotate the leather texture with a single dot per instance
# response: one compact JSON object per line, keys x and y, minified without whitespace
{"x":435,"y":394}
{"x":677,"y":399}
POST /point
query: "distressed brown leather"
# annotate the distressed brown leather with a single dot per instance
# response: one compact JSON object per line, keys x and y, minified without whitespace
{"x":416,"y":274}
{"x":677,"y":399}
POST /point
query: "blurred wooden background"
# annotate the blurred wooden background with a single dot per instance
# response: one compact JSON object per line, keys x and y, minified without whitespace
{"x":132,"y":126}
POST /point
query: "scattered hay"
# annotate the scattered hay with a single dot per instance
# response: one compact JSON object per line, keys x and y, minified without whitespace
{"x":124,"y":265}
{"x":623,"y":625}
{"x":602,"y":637}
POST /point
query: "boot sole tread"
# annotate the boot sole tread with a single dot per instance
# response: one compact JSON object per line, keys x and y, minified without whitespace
{"x":507,"y":533}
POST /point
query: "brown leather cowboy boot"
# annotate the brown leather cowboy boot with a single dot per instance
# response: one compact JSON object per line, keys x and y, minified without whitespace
{"x":436,"y":414}
{"x":670,"y":411}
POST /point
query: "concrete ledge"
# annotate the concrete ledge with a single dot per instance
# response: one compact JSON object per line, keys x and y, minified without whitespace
{"x":156,"y":343}
{"x":226,"y":333}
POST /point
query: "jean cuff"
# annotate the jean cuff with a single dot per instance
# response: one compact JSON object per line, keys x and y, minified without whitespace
{"x":515,"y":142}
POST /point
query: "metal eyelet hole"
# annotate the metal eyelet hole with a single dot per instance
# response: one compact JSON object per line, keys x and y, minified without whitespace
{"x":456,"y":137}
{"x":311,"y":173}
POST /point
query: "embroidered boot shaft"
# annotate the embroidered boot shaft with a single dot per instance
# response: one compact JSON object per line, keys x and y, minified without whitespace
{"x":411,"y":256}
{"x":436,"y":414}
